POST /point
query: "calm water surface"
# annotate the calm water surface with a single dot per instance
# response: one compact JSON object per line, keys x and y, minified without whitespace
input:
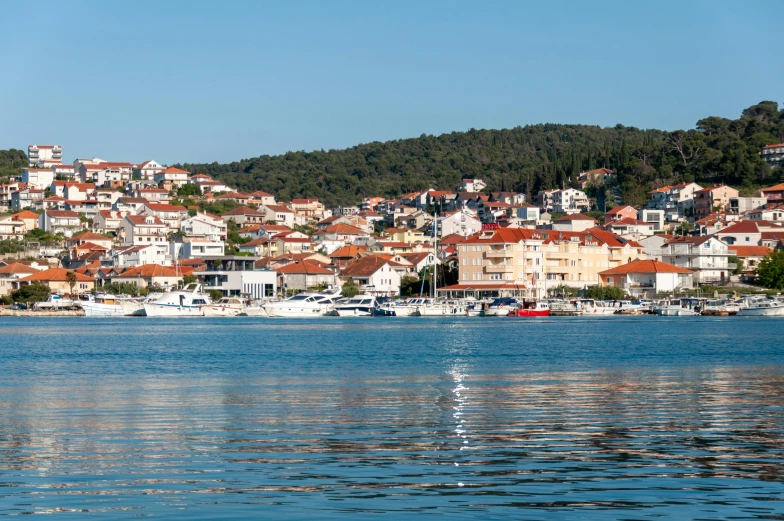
{"x":561,"y":418}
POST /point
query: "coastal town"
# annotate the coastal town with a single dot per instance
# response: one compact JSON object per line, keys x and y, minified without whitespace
{"x":116,"y":227}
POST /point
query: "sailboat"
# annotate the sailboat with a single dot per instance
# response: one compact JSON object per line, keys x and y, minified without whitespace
{"x":435,"y":307}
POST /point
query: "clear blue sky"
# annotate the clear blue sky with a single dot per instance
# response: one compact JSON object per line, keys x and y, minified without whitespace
{"x":194,"y":81}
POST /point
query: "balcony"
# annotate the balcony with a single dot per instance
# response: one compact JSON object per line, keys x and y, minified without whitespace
{"x":500,"y":268}
{"x":499,"y":254}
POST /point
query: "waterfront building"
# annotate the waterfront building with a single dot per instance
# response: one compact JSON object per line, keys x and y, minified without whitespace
{"x":646,"y":278}
{"x":304,"y":274}
{"x":374,"y":274}
{"x":237,"y":276}
{"x":11,"y":272}
{"x":705,"y":256}
{"x":148,"y":275}
{"x":56,"y":279}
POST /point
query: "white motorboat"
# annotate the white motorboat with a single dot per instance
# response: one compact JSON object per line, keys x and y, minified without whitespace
{"x":762,"y":307}
{"x":501,"y":307}
{"x":400,"y":308}
{"x":439,"y":308}
{"x":187,"y":302}
{"x":106,"y":305}
{"x":225,"y":307}
{"x":303,"y":305}
{"x":359,"y":306}
{"x":677,"y":307}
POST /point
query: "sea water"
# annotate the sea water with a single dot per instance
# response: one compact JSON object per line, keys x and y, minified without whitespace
{"x":393,"y":418}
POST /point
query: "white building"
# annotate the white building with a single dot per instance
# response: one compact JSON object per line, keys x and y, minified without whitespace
{"x":645,"y":278}
{"x":237,"y":276}
{"x":59,"y":221}
{"x":187,"y":248}
{"x":278,"y":214}
{"x":630,"y":228}
{"x":40,"y":154}
{"x":143,"y":229}
{"x":460,"y":223}
{"x":374,"y":274}
{"x":38,"y":178}
{"x":170,"y":214}
{"x":147,"y":170}
{"x":139,"y":255}
{"x":205,"y":227}
{"x":653,"y":217}
{"x":172,"y":175}
{"x":676,"y":201}
{"x":705,"y":256}
{"x":570,"y":201}
{"x":472,"y":185}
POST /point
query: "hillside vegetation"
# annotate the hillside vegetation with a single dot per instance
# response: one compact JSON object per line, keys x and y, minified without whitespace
{"x":525,"y":159}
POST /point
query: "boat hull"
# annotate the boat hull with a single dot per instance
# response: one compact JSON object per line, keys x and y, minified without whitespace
{"x":286,"y":312}
{"x":221,"y":311}
{"x":162,"y":310}
{"x":354,"y":312}
{"x":762,"y":312}
{"x":530,"y":313}
{"x":680,"y":312}
{"x":93,"y":309}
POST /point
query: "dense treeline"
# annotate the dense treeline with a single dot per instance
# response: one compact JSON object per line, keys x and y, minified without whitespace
{"x":11,"y":162}
{"x":526,"y":159}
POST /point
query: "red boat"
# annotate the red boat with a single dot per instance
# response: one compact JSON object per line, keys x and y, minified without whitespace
{"x":531,"y":308}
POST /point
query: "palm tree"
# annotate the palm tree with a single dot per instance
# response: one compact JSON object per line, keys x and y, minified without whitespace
{"x":70,"y":277}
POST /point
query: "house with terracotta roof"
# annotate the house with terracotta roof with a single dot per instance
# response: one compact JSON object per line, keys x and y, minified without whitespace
{"x":90,"y":237}
{"x":308,"y":207}
{"x":171,"y":175}
{"x":620,"y":212}
{"x":750,"y":256}
{"x":595,"y":177}
{"x":57,"y":281}
{"x":645,"y":278}
{"x":108,"y":220}
{"x":393,"y":247}
{"x":278,"y":214}
{"x":147,"y":170}
{"x":149,"y":275}
{"x":407,"y":235}
{"x":143,"y":230}
{"x":279,"y":244}
{"x":11,"y":229}
{"x":305,"y":274}
{"x":244,"y":216}
{"x":745,"y":233}
{"x":346,"y":254}
{"x":336,"y":236}
{"x":59,"y":221}
{"x":713,"y":198}
{"x":575,"y":222}
{"x":129,"y":204}
{"x":631,"y":228}
{"x":140,"y":254}
{"x":706,"y":256}
{"x":11,"y":272}
{"x":171,"y":214}
{"x":374,"y":274}
{"x":472,"y":185}
{"x":773,"y":240}
{"x":240,"y":198}
{"x":676,"y":201}
{"x":261,"y":198}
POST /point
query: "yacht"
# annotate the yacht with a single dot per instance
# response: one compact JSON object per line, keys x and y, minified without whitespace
{"x":762,"y":307}
{"x":531,"y":308}
{"x":106,"y":305}
{"x":677,"y":307}
{"x":303,"y":305}
{"x":225,"y":307}
{"x":359,"y":306}
{"x":501,"y":307}
{"x":719,"y":308}
{"x":400,"y":308}
{"x":439,"y":308}
{"x":186,"y":302}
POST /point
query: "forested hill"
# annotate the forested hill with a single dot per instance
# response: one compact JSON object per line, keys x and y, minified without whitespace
{"x":526,"y":159}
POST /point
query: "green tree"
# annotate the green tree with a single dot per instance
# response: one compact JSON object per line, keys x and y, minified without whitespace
{"x":732,"y":259}
{"x":189,"y":279}
{"x":215,"y":294}
{"x":35,"y":292}
{"x":606,"y":293}
{"x":770,"y":273}
{"x":350,"y":289}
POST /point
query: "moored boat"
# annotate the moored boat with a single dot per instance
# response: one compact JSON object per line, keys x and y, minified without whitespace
{"x":106,"y":305}
{"x":303,"y":305}
{"x":225,"y":307}
{"x":762,"y":307}
{"x":531,"y":308}
{"x":178,"y":303}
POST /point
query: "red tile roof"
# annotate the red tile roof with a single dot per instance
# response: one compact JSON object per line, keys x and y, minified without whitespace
{"x":56,"y":275}
{"x":62,"y":214}
{"x":342,"y":228}
{"x":750,"y":251}
{"x":150,"y":270}
{"x":366,"y":266}
{"x":306,"y":267}
{"x":645,"y":266}
{"x":17,"y":267}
